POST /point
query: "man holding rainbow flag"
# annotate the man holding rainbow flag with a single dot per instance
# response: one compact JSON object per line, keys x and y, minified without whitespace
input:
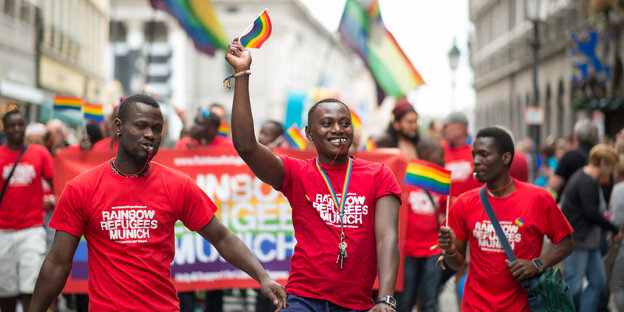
{"x":345,"y":210}
{"x":525,"y":212}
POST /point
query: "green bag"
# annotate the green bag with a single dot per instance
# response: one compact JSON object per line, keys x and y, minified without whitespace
{"x":548,"y":292}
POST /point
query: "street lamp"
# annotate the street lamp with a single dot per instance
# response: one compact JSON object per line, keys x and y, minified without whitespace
{"x":535,"y":13}
{"x":453,"y":56}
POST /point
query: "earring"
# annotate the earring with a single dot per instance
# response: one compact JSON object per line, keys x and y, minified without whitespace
{"x":118,"y":133}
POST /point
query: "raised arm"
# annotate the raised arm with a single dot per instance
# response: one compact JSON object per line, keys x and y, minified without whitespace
{"x":386,"y":235}
{"x":264,"y":164}
{"x":54,"y":271}
{"x":232,"y":249}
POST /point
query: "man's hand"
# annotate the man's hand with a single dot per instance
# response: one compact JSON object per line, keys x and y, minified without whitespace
{"x":382,"y":307}
{"x":521,"y":269}
{"x":238,"y":56}
{"x":446,"y":240}
{"x":275,"y":292}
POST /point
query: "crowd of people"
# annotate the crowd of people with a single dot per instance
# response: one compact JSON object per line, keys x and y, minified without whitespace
{"x":570,"y":193}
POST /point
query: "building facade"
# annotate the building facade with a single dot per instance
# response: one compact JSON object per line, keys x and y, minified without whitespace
{"x":74,"y":38}
{"x":18,"y":57}
{"x":579,"y":65}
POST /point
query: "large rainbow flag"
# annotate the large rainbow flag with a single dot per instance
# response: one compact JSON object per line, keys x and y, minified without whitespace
{"x":363,"y":30}
{"x":295,"y":138}
{"x":259,"y":33}
{"x":93,"y":112}
{"x":200,"y":21}
{"x":428,"y":176}
{"x":67,"y":102}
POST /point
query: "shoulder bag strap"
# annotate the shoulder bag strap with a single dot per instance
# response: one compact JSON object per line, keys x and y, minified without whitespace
{"x":6,"y":183}
{"x":499,"y":231}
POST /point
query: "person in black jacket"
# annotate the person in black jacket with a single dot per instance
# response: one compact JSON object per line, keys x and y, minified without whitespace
{"x":584,"y":205}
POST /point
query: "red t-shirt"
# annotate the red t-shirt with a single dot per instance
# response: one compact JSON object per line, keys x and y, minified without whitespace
{"x":314,"y":272}
{"x":22,"y":205}
{"x":423,"y":223}
{"x":104,"y":145}
{"x":526,"y":215}
{"x":459,"y":162}
{"x":129,"y":226}
{"x":186,"y":143}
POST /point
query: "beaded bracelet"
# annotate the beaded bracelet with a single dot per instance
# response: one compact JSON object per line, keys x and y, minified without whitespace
{"x":226,"y":82}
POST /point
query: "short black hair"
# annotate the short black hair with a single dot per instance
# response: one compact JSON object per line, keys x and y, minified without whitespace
{"x":426,"y":147}
{"x":8,"y":114}
{"x":129,"y":101}
{"x":280,"y":127}
{"x":210,"y":119}
{"x":327,"y":100}
{"x":502,"y":140}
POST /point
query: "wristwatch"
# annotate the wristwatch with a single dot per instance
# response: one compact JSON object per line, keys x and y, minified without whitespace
{"x":389,"y":300}
{"x":539,"y":265}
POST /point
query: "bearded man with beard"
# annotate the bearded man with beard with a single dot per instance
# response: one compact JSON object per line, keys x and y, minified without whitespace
{"x":403,"y":131}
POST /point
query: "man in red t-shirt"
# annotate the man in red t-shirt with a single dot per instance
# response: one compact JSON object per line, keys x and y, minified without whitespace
{"x":22,"y":236}
{"x":421,"y":275}
{"x":341,"y":244}
{"x":525,"y":212}
{"x":204,"y":133}
{"x":126,"y":209}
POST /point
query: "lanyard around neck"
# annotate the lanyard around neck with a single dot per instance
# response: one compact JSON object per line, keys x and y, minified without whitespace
{"x":345,"y":187}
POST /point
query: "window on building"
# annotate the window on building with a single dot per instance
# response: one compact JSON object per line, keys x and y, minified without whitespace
{"x":155,"y":31}
{"x":9,"y":7}
{"x":25,"y":12}
{"x":117,"y":31}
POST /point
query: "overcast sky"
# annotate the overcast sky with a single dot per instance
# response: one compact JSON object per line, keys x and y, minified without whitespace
{"x":425,"y":30}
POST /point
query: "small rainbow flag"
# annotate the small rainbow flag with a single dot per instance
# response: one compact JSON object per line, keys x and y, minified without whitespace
{"x":355,"y":120}
{"x":94,"y":112}
{"x":369,"y":145}
{"x":224,"y":130}
{"x":259,"y":33}
{"x":295,"y":138}
{"x":428,"y":176}
{"x":67,"y":102}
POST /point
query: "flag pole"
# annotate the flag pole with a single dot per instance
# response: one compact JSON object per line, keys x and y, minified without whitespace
{"x":448,"y":200}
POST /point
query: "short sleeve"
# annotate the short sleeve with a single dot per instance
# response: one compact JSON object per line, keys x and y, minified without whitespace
{"x":387,"y":184}
{"x":288,"y":171}
{"x":558,"y":226}
{"x":456,"y":220}
{"x":197,"y":208}
{"x":69,"y":214}
{"x":48,"y":165}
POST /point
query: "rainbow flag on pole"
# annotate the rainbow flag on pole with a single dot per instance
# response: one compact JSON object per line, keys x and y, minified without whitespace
{"x":223,"y":130}
{"x":200,"y":21}
{"x":93,"y":112}
{"x":259,"y":33}
{"x":67,"y":102}
{"x":428,"y":176}
{"x":295,"y":138}
{"x":363,"y":30}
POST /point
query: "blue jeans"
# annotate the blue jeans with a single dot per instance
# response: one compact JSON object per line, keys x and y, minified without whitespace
{"x":302,"y":304}
{"x":585,"y":263}
{"x":421,"y":279}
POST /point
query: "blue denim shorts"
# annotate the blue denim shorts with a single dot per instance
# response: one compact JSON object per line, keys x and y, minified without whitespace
{"x":302,"y":304}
